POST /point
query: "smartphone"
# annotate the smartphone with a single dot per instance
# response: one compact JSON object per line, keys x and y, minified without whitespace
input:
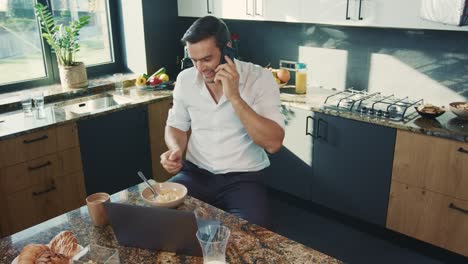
{"x":230,"y":52}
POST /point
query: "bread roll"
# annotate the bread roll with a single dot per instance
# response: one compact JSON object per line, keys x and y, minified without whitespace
{"x":48,"y":257}
{"x":64,"y":243}
{"x":30,"y":252}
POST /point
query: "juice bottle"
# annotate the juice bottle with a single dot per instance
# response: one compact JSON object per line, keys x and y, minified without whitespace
{"x":301,"y":78}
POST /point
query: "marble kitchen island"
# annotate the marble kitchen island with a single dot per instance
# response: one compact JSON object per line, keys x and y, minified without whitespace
{"x":248,"y":243}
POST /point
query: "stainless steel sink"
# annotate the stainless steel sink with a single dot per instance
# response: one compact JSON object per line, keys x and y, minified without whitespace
{"x":92,"y":104}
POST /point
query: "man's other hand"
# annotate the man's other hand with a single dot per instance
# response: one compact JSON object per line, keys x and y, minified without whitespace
{"x":171,"y":161}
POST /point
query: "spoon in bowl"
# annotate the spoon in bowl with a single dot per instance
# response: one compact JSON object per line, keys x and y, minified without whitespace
{"x":155,"y":191}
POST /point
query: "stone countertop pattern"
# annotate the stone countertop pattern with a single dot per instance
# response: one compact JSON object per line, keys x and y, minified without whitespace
{"x":248,"y":243}
{"x":446,"y":126}
{"x":16,"y":123}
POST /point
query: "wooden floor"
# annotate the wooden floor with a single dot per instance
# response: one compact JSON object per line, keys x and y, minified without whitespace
{"x":349,"y":240}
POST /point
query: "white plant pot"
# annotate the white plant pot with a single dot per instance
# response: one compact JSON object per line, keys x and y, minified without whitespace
{"x":73,"y":76}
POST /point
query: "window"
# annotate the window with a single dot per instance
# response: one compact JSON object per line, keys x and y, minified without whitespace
{"x":94,"y":38}
{"x":21,"y":56}
{"x":25,"y":58}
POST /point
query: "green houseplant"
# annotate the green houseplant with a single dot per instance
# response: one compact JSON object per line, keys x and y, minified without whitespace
{"x":64,"y":43}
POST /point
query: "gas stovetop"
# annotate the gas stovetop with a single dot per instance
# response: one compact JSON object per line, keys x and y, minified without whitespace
{"x":375,"y":105}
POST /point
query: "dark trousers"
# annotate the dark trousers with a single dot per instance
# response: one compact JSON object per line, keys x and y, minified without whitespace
{"x":240,"y":193}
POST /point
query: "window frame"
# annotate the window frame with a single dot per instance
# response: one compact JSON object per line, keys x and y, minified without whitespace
{"x":50,"y":60}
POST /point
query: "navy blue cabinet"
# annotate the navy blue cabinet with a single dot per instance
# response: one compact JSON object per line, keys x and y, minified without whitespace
{"x":291,"y":168}
{"x":114,"y":147}
{"x":352,"y":167}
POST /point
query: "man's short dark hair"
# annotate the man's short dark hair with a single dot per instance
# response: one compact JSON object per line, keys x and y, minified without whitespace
{"x":206,"y":27}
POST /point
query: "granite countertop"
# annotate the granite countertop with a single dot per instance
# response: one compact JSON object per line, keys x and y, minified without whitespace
{"x":446,"y":126}
{"x":15,"y":123}
{"x":248,"y":243}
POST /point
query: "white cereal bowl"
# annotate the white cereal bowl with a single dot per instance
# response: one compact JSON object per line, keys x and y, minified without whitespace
{"x":178,"y":188}
{"x":458,"y":110}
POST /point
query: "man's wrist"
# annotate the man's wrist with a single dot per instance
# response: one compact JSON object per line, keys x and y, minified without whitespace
{"x":236,"y":100}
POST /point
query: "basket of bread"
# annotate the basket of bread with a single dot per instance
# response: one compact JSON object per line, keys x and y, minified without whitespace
{"x":460,"y":109}
{"x":430,"y":111}
{"x":60,"y":250}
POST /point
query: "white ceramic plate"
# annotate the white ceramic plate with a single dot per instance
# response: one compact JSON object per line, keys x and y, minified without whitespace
{"x":15,"y":261}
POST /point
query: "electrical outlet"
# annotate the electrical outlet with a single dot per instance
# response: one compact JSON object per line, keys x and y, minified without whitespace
{"x":288,"y":65}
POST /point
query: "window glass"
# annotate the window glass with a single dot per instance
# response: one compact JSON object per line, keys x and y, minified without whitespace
{"x":21,"y":56}
{"x":95,"y":38}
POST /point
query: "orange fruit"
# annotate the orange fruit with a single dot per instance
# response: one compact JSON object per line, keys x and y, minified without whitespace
{"x":283,"y":75}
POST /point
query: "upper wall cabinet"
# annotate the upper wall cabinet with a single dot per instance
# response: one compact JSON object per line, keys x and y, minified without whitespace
{"x":338,"y":12}
{"x":198,"y":8}
{"x":405,"y":14}
{"x":370,"y":13}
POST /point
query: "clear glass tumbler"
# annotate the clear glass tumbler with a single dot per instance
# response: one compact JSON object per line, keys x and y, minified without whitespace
{"x":213,"y":240}
{"x":118,"y":81}
{"x":26,"y":103}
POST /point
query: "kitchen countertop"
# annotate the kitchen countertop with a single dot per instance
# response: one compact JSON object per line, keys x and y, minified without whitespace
{"x":248,"y":243}
{"x":15,"y":123}
{"x":446,"y":126}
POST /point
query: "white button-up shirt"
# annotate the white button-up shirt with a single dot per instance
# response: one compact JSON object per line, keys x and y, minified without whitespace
{"x":219,"y":142}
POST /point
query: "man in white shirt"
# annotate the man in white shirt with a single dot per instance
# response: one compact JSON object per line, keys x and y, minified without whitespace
{"x":233,"y":111}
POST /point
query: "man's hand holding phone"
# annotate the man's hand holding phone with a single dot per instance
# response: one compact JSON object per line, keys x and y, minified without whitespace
{"x":228,"y":76}
{"x":171,"y":161}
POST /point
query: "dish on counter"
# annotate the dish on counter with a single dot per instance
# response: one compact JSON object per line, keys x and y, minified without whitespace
{"x":61,"y":250}
{"x":460,"y":109}
{"x":173,"y":194}
{"x":430,"y":111}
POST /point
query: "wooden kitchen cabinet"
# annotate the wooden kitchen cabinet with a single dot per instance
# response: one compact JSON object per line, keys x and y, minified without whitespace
{"x":429,"y":216}
{"x":47,"y":182}
{"x":157,"y":117}
{"x":431,"y":163}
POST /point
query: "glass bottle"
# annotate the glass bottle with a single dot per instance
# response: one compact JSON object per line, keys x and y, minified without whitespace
{"x":301,"y":78}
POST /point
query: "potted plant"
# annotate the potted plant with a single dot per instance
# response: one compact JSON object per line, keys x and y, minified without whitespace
{"x":64,"y":43}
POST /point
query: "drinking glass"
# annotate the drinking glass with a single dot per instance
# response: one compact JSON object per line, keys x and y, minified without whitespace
{"x":118,"y":81}
{"x":26,"y":103}
{"x":213,"y":241}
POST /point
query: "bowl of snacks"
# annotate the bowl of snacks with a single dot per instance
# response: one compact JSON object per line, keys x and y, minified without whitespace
{"x":460,"y":109}
{"x":172,"y":195}
{"x":430,"y":111}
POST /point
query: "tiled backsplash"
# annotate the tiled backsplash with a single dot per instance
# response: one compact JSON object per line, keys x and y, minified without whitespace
{"x":427,"y":64}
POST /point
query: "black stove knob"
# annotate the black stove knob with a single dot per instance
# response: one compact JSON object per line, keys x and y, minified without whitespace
{"x":379,"y":113}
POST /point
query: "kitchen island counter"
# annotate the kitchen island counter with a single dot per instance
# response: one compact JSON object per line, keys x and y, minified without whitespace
{"x":248,"y":243}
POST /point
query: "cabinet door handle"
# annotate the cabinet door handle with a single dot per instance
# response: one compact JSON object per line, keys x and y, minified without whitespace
{"x":319,"y":136}
{"x":52,"y":188}
{"x":48,"y":163}
{"x":462,"y":150}
{"x":347,"y":10}
{"x":454,"y":207}
{"x":257,"y":7}
{"x":307,"y":127}
{"x":208,"y":9}
{"x":249,"y":7}
{"x":26,"y":141}
{"x":360,"y":6}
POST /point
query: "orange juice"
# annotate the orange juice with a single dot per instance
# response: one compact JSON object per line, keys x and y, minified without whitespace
{"x":301,"y":78}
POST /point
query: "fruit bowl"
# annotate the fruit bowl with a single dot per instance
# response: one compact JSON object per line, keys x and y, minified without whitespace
{"x":430,"y":111}
{"x":460,"y":109}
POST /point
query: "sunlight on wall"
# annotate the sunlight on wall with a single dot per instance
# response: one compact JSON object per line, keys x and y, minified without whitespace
{"x":325,"y":67}
{"x":134,"y":36}
{"x":391,"y":76}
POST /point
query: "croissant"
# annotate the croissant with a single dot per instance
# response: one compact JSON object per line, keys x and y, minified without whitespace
{"x":64,"y":243}
{"x":48,"y":257}
{"x":30,"y":252}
